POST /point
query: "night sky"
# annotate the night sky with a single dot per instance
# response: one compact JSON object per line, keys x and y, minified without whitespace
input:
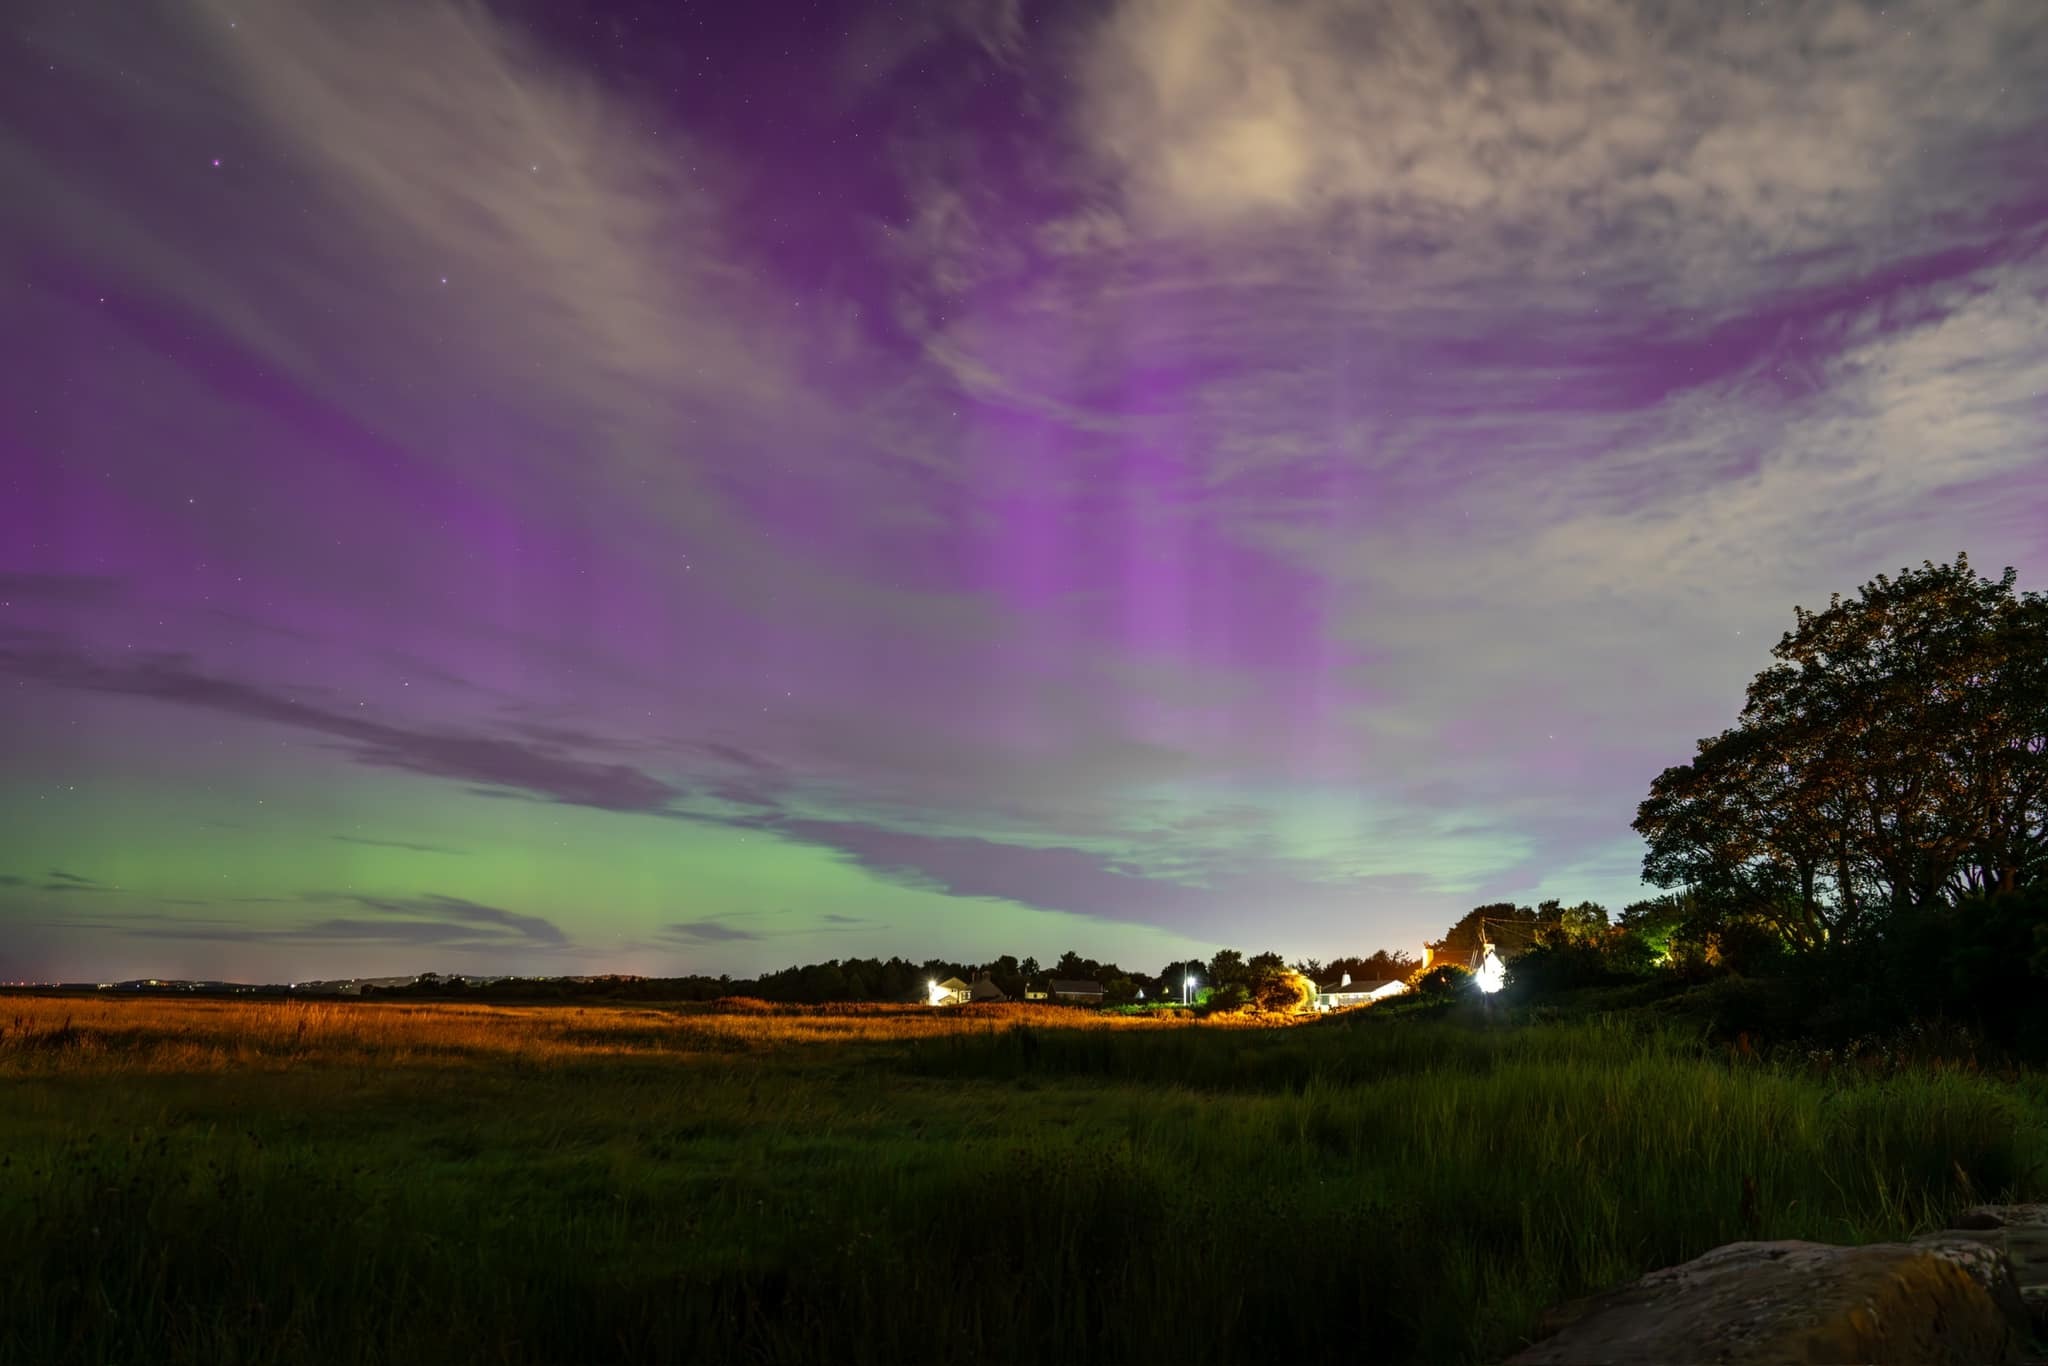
{"x":701,"y":488}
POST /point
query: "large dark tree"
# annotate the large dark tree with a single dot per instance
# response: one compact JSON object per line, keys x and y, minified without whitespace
{"x":1894,"y":758}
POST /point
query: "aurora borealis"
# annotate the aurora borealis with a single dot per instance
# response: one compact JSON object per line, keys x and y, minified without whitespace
{"x":697,"y":488}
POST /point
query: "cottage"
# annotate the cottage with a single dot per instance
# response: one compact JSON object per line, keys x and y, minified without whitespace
{"x":951,"y":992}
{"x":985,"y":989}
{"x":1344,"y":992}
{"x":1078,"y":992}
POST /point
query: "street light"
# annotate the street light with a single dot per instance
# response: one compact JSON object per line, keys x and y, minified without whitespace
{"x":1187,"y":980}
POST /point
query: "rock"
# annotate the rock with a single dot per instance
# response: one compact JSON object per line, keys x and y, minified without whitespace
{"x":1950,"y":1301}
{"x":2002,"y":1216}
{"x":2020,"y":1232}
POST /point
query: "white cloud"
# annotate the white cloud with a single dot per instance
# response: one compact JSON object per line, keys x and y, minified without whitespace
{"x":1601,"y":594}
{"x":1687,"y":149}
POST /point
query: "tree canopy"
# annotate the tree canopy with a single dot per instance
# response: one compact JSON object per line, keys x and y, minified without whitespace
{"x":1894,"y":758}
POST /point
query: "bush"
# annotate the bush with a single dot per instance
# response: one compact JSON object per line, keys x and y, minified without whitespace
{"x":1282,"y":991}
{"x":1749,"y":947}
{"x":1977,"y":962}
{"x":1768,"y":1009}
{"x":1445,"y":979}
{"x":1230,"y":996}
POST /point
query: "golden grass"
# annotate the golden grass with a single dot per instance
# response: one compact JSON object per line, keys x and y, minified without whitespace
{"x":42,"y":1034}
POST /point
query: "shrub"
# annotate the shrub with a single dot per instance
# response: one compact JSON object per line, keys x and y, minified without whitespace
{"x":1445,"y":979}
{"x":1749,"y":946}
{"x":1230,"y":996}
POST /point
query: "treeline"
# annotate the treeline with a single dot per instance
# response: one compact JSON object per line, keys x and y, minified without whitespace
{"x":1227,"y":980}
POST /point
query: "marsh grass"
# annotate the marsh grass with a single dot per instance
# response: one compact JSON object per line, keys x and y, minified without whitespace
{"x":242,"y":1182}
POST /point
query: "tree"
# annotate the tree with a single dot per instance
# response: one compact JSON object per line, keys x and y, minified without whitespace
{"x":1893,"y":759}
{"x":1587,"y":920}
{"x":1008,"y":975}
{"x":1227,"y":968}
{"x":1381,"y":966}
{"x":1660,"y":921}
{"x":1513,"y":928}
{"x":1278,"y":988}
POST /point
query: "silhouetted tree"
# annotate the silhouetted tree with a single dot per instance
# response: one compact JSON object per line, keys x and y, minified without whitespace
{"x":1894,"y":758}
{"x":1227,"y":968}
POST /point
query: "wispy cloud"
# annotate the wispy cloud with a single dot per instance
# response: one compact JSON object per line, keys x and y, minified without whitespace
{"x":396,"y":844}
{"x":429,"y":920}
{"x":708,"y":932}
{"x":524,"y":767}
{"x":475,"y":917}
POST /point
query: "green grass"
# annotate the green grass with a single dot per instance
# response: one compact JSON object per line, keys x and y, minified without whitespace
{"x":1404,"y":1189}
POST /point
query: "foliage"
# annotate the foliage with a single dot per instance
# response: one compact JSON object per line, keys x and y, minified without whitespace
{"x":1445,"y":979}
{"x":1230,"y":996}
{"x":1983,"y":962}
{"x":1563,"y":961}
{"x":1279,"y":989}
{"x":1382,"y":966}
{"x":1749,"y":944}
{"x":1514,"y":930}
{"x":1662,"y":923}
{"x":1461,"y":943}
{"x":1893,"y":760}
{"x":1227,"y":968}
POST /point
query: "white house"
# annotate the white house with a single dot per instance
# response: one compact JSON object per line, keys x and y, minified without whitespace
{"x":1344,"y":992}
{"x":951,"y":992}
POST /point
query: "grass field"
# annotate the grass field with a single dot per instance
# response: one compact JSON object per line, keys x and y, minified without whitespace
{"x":190,"y":1180}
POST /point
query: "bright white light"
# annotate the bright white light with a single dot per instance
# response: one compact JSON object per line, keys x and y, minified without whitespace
{"x":932,"y":995}
{"x":1493,"y":974}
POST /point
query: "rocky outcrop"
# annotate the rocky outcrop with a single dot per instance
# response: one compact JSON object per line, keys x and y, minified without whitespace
{"x":2019,"y":1234}
{"x":1963,"y":1296}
